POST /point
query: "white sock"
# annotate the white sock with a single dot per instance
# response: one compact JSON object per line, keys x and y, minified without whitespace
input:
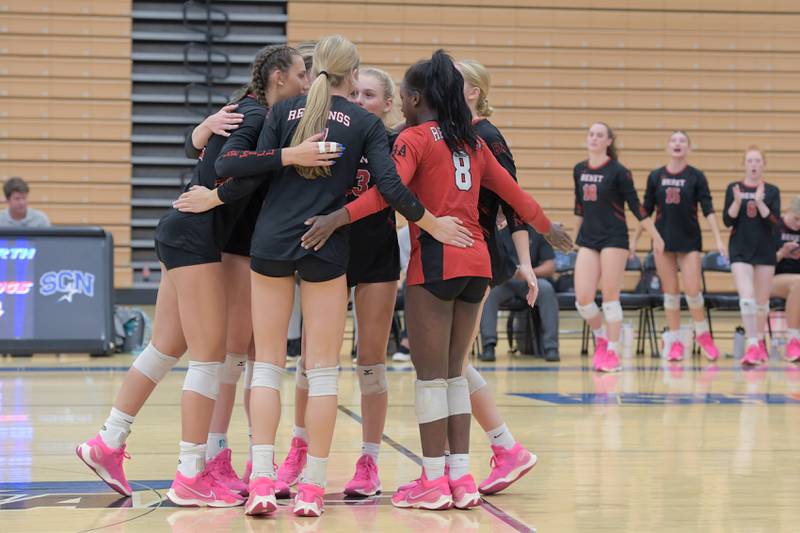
{"x":613,"y":347}
{"x":116,"y":428}
{"x":433,"y":467}
{"x":793,"y":333}
{"x":501,"y":436}
{"x":216,"y":443}
{"x":701,"y":327}
{"x":458,"y":464}
{"x":372,"y":449}
{"x":672,"y":336}
{"x":192,"y":459}
{"x":599,"y":333}
{"x":752,"y":341}
{"x":263,"y":460}
{"x":316,"y":470}
{"x":300,"y":433}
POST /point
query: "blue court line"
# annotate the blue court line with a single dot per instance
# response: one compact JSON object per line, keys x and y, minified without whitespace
{"x":645,"y":398}
{"x":389,"y":368}
{"x":75,"y":487}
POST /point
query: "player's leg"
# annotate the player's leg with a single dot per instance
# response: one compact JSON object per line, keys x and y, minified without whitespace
{"x":587,"y":276}
{"x":292,"y":466}
{"x":743,"y":277}
{"x":612,"y":271}
{"x":692,"y":274}
{"x":762,"y":280}
{"x":787,"y":286}
{"x":667,"y":268}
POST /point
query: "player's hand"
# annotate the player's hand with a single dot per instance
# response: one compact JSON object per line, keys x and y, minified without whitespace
{"x":789,"y":249}
{"x":198,"y":199}
{"x":313,"y":152}
{"x":450,"y":230}
{"x":737,"y":194}
{"x":224,"y":121}
{"x":632,"y":251}
{"x":760,"y":193}
{"x":723,"y":250}
{"x":558,"y":238}
{"x":501,"y":221}
{"x":525,"y":272}
{"x":322,"y":227}
{"x":658,"y":244}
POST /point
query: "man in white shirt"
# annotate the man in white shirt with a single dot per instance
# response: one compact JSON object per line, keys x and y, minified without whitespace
{"x":18,"y":213}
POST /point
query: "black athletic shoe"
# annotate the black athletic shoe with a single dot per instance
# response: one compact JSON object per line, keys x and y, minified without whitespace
{"x":552,"y":357}
{"x":293,"y":347}
{"x":487,"y":354}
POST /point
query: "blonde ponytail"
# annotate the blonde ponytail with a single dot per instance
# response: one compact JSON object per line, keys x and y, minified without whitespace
{"x":476,"y":75}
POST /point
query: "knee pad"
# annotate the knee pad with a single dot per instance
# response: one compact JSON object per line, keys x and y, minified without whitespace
{"x":458,"y":397}
{"x":267,"y":375}
{"x":248,"y":374}
{"x":430,"y":400}
{"x":748,"y":306}
{"x":696,"y":302}
{"x":232,"y":368}
{"x":474,"y":379}
{"x":154,"y":364}
{"x":372,"y":379}
{"x":763,"y":309}
{"x":203,"y":378}
{"x":587,"y":312}
{"x":300,"y":377}
{"x":612,"y":311}
{"x":323,"y":381}
{"x":672,"y":302}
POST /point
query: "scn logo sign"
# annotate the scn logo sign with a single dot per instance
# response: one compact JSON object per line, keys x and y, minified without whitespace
{"x":67,"y":282}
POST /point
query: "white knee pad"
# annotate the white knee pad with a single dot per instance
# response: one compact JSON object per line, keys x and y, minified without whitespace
{"x":587,"y":312}
{"x":267,"y":376}
{"x":763,"y":309}
{"x":474,"y":379}
{"x":372,"y":379}
{"x":458,"y":396}
{"x":672,"y":302}
{"x":154,"y":364}
{"x":323,"y":381}
{"x":300,"y":377}
{"x":696,"y":302}
{"x":748,"y":306}
{"x":612,"y":311}
{"x":248,"y":374}
{"x":232,"y":368}
{"x":203,"y":378}
{"x":430,"y":400}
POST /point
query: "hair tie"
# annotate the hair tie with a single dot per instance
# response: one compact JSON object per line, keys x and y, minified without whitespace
{"x":324,"y":73}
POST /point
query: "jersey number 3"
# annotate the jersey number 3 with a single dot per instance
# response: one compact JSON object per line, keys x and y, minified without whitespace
{"x":463,"y":175}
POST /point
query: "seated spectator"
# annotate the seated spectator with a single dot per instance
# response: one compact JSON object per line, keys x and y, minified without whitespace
{"x":544,"y":266}
{"x":18,"y":213}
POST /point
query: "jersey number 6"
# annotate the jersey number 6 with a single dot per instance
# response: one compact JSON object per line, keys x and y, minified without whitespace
{"x":463,"y":174}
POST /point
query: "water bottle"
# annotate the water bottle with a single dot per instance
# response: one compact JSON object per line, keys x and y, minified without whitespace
{"x":627,"y":340}
{"x":738,"y":343}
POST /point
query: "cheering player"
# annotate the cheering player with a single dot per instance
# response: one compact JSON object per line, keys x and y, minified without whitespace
{"x":752,"y":211}
{"x":673,"y":192}
{"x":602,"y":187}
{"x":786,"y":283}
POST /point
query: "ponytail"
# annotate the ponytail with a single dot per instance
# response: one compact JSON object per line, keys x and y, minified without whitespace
{"x":476,"y":75}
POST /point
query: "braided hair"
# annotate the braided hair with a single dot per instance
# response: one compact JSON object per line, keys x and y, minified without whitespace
{"x":266,"y":61}
{"x":441,"y":85}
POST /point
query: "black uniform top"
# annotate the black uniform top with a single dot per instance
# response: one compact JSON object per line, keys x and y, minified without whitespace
{"x":674,"y":198}
{"x":503,"y":266}
{"x":600,"y":197}
{"x":751,"y":239}
{"x":207,"y":233}
{"x":784,"y":234}
{"x":292,"y":199}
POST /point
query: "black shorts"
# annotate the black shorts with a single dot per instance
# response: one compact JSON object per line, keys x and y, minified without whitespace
{"x":374,"y":252}
{"x":617,"y":241}
{"x":239,"y":242}
{"x":309,"y":267}
{"x":173,"y":257}
{"x":466,"y":289}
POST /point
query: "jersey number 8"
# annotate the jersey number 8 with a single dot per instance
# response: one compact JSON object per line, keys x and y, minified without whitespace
{"x":463,"y":174}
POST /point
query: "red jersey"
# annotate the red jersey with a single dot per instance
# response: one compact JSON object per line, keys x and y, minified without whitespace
{"x":449,"y":183}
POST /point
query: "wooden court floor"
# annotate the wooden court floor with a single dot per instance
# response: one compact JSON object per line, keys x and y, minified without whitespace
{"x":686,"y":447}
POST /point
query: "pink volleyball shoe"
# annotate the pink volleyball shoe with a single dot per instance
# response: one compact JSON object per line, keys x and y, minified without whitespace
{"x":106,"y":462}
{"x":508,"y":466}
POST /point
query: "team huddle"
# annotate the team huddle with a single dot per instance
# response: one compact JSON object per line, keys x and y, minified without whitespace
{"x":300,"y":176}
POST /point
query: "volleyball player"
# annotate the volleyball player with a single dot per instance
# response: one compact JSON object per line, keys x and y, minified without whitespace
{"x":602,"y":187}
{"x":753,"y":211}
{"x":189,"y":248}
{"x":673,"y":192}
{"x":445,"y":284}
{"x":786,"y":283}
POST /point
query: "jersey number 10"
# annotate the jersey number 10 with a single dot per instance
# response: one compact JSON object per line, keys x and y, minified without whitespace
{"x":463,"y":175}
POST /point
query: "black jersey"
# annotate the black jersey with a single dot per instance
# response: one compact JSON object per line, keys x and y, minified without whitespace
{"x":293,"y":199}
{"x":674,"y":198}
{"x":751,"y":239}
{"x":784,"y":234}
{"x":208,"y":233}
{"x":374,"y":252}
{"x":600,"y":197}
{"x":503,"y":266}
